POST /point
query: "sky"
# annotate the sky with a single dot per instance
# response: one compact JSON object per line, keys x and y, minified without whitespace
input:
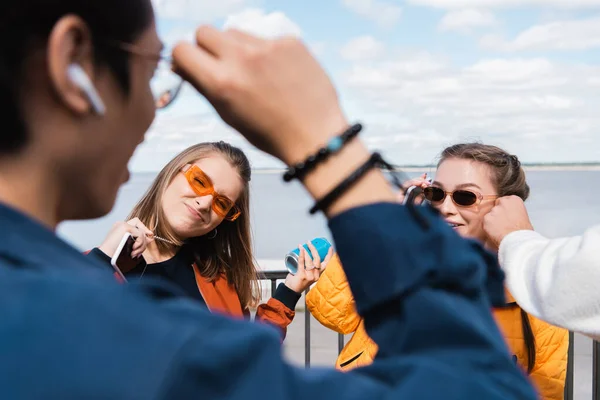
{"x":419,"y":74}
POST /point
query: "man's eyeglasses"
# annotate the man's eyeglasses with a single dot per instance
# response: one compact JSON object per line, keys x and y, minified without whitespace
{"x":462,"y":198}
{"x":165,"y":83}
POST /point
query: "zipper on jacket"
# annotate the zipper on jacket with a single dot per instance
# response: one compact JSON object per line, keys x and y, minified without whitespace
{"x":342,"y":365}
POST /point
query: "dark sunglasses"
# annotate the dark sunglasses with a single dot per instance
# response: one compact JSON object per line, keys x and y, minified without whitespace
{"x":462,"y":198}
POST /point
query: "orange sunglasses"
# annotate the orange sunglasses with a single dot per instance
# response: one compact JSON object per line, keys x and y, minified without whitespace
{"x":203,"y":186}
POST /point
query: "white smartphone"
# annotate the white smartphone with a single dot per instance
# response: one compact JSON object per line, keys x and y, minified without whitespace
{"x":121,"y":260}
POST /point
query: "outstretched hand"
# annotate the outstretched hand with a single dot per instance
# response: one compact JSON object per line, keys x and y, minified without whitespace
{"x":272,"y":91}
{"x":309,"y":270}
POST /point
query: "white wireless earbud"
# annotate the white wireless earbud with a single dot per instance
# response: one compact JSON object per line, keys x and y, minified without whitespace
{"x":78,"y":76}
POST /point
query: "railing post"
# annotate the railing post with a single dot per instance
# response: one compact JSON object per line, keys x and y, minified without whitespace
{"x":273,"y":286}
{"x":570,"y":367}
{"x":596,"y":371}
{"x":306,"y":333}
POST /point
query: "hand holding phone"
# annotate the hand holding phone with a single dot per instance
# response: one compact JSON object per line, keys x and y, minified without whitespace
{"x":411,"y":194}
{"x":122,"y":261}
{"x":135,"y":228}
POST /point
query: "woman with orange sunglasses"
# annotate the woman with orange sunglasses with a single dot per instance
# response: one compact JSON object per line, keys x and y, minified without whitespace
{"x":192,"y":227}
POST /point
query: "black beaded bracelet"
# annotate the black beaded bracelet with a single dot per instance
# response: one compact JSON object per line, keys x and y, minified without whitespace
{"x":347,"y":183}
{"x":374,"y":161}
{"x":334,"y":145}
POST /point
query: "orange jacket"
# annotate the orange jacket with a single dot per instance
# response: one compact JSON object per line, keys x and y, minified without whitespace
{"x":331,"y":302}
{"x":221,"y":297}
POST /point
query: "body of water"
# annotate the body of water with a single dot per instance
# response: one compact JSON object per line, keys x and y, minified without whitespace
{"x":562,"y":203}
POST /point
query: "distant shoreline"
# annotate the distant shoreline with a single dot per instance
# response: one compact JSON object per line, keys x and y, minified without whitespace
{"x":428,"y":168}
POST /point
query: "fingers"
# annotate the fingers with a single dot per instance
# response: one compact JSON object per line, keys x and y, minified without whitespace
{"x":243,"y":38}
{"x":308,"y":264}
{"x":419,"y":200}
{"x":140,"y":232}
{"x":313,"y":277}
{"x":139,"y":246}
{"x":197,"y":66}
{"x":419,"y":182}
{"x":143,"y":229}
{"x":316,"y":258}
{"x":327,"y":259}
{"x":307,"y":273}
{"x":301,"y":259}
{"x":212,"y":40}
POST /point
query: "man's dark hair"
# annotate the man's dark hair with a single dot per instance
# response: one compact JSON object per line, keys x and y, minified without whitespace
{"x":24,"y":28}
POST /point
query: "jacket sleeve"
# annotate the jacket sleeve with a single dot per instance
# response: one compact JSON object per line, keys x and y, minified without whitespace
{"x":98,"y":254}
{"x":279,"y":309}
{"x":331,"y":302}
{"x":104,"y":260}
{"x":555,"y":279}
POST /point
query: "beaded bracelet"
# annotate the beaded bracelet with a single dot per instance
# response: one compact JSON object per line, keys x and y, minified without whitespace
{"x":347,"y":183}
{"x":374,"y":161}
{"x":334,"y":145}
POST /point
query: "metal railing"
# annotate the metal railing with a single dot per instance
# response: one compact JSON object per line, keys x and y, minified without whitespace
{"x":274,"y":276}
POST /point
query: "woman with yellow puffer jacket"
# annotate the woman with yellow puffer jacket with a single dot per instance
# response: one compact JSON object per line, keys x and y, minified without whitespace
{"x":330,"y":301}
{"x":468,"y":180}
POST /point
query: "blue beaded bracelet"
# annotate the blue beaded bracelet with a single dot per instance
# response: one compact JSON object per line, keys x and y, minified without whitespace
{"x":335,"y":144}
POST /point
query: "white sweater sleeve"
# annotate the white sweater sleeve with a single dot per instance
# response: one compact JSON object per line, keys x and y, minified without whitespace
{"x":557,"y":280}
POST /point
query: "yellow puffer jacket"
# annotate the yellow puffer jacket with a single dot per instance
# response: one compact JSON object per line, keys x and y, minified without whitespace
{"x":551,"y":345}
{"x":331,"y":302}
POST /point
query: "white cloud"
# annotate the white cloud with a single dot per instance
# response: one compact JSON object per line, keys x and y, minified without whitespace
{"x":362,"y":48}
{"x":178,"y":33}
{"x":385,"y":14}
{"x":466,"y":20}
{"x":579,"y":34}
{"x":259,"y":23}
{"x":539,"y":109}
{"x":171,"y":134}
{"x":458,"y":4}
{"x":198,"y":11}
{"x":414,"y":104}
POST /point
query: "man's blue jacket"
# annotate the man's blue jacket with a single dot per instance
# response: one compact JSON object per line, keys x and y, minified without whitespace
{"x":68,"y":330}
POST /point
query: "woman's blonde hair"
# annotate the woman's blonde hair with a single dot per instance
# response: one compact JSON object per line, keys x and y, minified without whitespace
{"x":229,"y":252}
